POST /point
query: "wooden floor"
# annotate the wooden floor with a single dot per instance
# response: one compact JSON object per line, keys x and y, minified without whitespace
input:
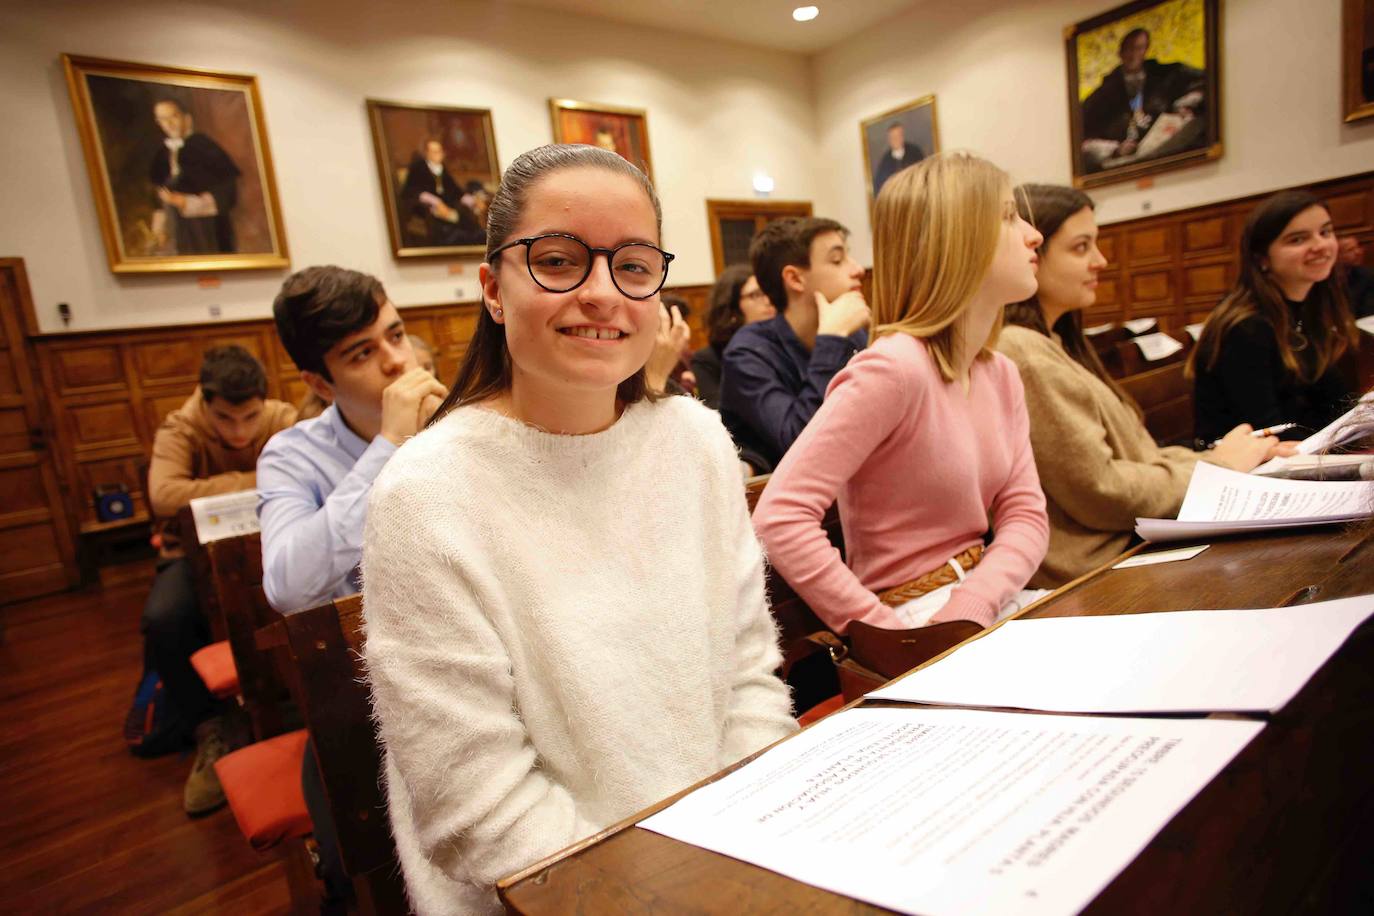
{"x":84,"y":825}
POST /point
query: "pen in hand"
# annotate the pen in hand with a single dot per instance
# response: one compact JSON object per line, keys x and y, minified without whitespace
{"x":1267,"y":431}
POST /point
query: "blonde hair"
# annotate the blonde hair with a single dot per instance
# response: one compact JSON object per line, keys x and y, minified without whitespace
{"x":936,"y":227}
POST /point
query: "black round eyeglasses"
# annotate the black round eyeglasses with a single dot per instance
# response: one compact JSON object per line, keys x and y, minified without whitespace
{"x":561,"y":263}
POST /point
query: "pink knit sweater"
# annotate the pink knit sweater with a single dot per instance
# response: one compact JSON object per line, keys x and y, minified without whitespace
{"x":921,"y":470}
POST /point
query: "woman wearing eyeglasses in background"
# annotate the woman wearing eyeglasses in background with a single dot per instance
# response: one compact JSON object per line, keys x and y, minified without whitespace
{"x":736,"y":300}
{"x":562,"y":627}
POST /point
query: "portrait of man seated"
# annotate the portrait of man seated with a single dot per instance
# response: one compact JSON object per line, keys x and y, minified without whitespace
{"x":435,"y":209}
{"x":1144,"y":109}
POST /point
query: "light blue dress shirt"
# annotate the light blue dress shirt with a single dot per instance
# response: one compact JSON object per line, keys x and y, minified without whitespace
{"x":314,"y":480}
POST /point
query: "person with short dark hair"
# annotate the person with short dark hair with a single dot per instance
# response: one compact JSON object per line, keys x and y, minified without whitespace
{"x":206,"y":447}
{"x":350,"y":344}
{"x":1359,"y":280}
{"x":315,"y":479}
{"x":775,"y":372}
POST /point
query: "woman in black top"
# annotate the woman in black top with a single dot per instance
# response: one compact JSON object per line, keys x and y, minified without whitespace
{"x":1268,"y":354}
{"x":736,"y":300}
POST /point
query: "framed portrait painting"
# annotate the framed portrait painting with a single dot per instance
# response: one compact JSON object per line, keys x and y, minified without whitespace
{"x":179,"y":166}
{"x":621,"y":130}
{"x":1144,"y":92}
{"x":897,"y":139}
{"x":438,"y":172}
{"x":1357,"y":59}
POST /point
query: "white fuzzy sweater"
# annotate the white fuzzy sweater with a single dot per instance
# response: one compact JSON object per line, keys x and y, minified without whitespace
{"x":561,"y":630}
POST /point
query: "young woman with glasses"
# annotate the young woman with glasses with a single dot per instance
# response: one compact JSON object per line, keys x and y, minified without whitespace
{"x":922,"y":437}
{"x":562,"y":626}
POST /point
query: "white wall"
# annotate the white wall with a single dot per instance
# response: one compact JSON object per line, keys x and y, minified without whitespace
{"x":999,"y":75}
{"x":717,"y":113}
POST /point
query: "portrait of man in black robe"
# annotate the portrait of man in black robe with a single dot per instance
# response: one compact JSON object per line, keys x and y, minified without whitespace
{"x":1138,"y":97}
{"x":196,"y":184}
{"x":435,"y":210}
{"x":898,"y":155}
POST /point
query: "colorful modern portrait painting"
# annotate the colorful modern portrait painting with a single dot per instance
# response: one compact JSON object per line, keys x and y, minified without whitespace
{"x":179,"y":167}
{"x":438,"y":171}
{"x":620,"y":130}
{"x":898,"y":139}
{"x":1143,"y":90}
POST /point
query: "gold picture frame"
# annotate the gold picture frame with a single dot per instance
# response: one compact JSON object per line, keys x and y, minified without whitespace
{"x":438,"y":169}
{"x":622,"y":130}
{"x":914,"y":125}
{"x":210,"y":203}
{"x":1357,"y":59}
{"x":1174,"y":121}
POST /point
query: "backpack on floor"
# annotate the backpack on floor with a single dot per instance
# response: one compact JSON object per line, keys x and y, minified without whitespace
{"x":149,"y":729}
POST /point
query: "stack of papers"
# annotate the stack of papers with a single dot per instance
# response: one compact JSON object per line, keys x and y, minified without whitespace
{"x":1140,"y":325}
{"x":1221,"y":501}
{"x":1157,"y":346}
{"x":941,"y":811}
{"x":1355,"y":423}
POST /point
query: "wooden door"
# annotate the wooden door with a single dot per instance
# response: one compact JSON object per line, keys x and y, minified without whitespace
{"x":734,"y":222}
{"x":36,"y":551}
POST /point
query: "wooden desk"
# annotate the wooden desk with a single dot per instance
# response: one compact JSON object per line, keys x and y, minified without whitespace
{"x":1288,"y":825}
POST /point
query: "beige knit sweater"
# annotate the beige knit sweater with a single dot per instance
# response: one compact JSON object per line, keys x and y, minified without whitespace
{"x":1099,"y":466}
{"x":561,"y":630}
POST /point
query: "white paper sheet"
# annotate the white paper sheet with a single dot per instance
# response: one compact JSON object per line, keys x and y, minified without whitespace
{"x":1221,"y":501}
{"x":1195,"y":330}
{"x":226,"y":515}
{"x":1171,"y":662}
{"x":957,"y":811}
{"x":1365,"y":324}
{"x":1098,"y":329}
{"x":1140,"y":325}
{"x":1157,"y":346}
{"x":1334,"y":434}
{"x":1161,"y":556}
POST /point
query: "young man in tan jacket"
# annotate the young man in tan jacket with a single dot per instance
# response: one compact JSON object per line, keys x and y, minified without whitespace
{"x":208,"y":446}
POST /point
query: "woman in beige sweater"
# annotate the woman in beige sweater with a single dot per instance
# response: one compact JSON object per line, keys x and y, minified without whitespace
{"x":1099,"y":466}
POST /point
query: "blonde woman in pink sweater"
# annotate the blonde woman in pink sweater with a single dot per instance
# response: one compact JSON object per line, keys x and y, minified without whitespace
{"x":923,"y":437}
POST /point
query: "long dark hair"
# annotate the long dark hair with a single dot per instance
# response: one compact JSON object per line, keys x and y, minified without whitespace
{"x":725,"y":316}
{"x":486,"y":368}
{"x":1047,"y":207}
{"x":1325,"y":314}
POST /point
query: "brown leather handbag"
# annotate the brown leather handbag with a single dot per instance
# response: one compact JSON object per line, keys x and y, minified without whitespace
{"x":873,"y":656}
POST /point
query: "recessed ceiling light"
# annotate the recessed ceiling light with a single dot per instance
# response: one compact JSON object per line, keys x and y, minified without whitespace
{"x":805,"y":13}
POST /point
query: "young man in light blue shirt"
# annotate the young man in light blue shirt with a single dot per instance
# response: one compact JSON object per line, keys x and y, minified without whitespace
{"x":351,"y":347}
{"x":350,"y":344}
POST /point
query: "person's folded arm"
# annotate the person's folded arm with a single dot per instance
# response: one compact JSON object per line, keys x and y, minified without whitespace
{"x":444,"y":695}
{"x":1020,"y":530}
{"x":860,"y":411}
{"x":1079,"y":470}
{"x":309,"y":545}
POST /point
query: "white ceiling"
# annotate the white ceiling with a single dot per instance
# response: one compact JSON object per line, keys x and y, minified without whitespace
{"x":766,"y":23}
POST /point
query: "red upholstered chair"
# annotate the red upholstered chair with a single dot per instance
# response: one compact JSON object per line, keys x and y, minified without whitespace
{"x":215,"y":665}
{"x":262,"y":783}
{"x":821,"y":710}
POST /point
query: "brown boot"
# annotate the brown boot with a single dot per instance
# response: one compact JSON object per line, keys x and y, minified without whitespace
{"x":203,"y":792}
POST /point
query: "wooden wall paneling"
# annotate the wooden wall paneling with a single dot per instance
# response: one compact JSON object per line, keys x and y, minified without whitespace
{"x":37,"y":550}
{"x":88,"y":369}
